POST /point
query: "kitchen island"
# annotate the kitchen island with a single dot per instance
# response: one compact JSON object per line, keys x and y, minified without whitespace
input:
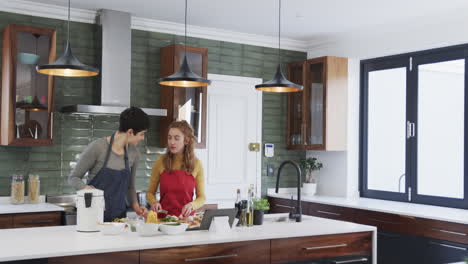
{"x":272,"y":242}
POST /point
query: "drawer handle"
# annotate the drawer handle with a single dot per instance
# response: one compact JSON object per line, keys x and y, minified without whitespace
{"x":38,"y":222}
{"x":210,"y":258}
{"x":387,"y":235}
{"x":328,"y":213}
{"x":349,"y":261}
{"x":324,"y":247}
{"x":448,"y":246}
{"x":285,"y":206}
{"x":383,"y":221}
{"x":449,"y":232}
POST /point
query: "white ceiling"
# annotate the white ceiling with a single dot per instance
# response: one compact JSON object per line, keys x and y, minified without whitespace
{"x":301,"y":19}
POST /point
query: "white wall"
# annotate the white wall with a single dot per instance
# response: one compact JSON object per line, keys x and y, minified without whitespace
{"x":377,"y":42}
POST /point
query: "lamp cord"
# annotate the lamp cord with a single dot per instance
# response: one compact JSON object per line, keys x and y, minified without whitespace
{"x":279,"y":33}
{"x":68,"y":24}
{"x":185,"y":40}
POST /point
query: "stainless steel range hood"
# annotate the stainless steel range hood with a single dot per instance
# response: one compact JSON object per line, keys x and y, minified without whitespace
{"x":116,"y":67}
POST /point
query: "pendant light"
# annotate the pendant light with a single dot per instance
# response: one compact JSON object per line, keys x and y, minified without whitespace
{"x":67,"y":65}
{"x":279,"y":83}
{"x":184,"y":77}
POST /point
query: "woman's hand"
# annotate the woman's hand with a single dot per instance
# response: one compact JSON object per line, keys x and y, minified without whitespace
{"x":156,"y":207}
{"x":186,"y":210}
{"x":140,"y":210}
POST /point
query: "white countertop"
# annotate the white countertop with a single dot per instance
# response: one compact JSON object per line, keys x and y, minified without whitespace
{"x":409,"y":209}
{"x":46,"y":242}
{"x":7,"y":208}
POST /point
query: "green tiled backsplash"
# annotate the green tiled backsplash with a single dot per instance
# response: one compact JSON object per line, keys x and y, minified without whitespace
{"x":73,"y":132}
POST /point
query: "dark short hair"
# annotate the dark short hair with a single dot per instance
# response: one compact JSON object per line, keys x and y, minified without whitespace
{"x":133,"y":118}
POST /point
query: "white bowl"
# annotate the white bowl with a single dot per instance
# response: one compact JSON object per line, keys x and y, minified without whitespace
{"x":109,"y":228}
{"x":147,"y":229}
{"x":173,"y":228}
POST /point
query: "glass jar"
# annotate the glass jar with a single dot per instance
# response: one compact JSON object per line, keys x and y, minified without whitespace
{"x":34,"y":188}
{"x":17,"y":189}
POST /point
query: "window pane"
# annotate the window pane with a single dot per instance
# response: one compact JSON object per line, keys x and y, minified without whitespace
{"x":387,"y":130}
{"x":440,"y":134}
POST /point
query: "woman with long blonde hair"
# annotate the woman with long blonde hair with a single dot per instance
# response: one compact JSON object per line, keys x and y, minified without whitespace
{"x":178,"y":173}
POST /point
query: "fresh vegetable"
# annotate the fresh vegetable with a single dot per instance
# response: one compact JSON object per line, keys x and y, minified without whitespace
{"x":170,"y":218}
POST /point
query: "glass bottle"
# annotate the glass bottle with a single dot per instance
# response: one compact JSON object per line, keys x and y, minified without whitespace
{"x":250,"y":207}
{"x":237,"y":205}
{"x":17,"y":189}
{"x":34,"y":188}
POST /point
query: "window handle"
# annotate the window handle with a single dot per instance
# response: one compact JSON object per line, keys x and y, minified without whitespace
{"x":410,"y":129}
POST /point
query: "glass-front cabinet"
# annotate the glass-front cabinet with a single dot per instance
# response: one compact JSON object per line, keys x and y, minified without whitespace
{"x":27,"y":96}
{"x":317,"y":121}
{"x":187,"y":104}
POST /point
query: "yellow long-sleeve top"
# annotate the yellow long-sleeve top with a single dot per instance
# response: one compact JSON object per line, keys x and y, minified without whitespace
{"x":158,"y":169}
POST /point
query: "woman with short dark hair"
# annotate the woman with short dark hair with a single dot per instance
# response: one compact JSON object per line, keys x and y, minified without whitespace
{"x":111,"y":163}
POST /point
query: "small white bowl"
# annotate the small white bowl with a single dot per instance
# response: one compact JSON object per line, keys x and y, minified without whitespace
{"x":173,"y":228}
{"x":108,"y":228}
{"x":147,"y":229}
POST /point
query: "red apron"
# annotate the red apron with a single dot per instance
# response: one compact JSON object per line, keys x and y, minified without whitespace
{"x":176,"y":190}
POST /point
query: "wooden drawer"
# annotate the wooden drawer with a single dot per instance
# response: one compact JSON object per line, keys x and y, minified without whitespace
{"x":279,"y":205}
{"x":130,"y":257}
{"x":239,"y":253}
{"x":37,"y":219}
{"x":388,"y":222}
{"x":442,"y":230}
{"x":331,"y":212}
{"x":6,"y":221}
{"x":311,"y":248}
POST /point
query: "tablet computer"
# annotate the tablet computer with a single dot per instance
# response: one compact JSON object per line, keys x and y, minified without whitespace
{"x":210,"y":213}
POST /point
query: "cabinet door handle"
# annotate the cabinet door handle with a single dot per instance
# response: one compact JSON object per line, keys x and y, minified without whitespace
{"x":448,"y":246}
{"x":328,"y":213}
{"x":349,"y":261}
{"x":388,"y":235}
{"x":38,"y":222}
{"x":449,"y":232}
{"x":285,"y":206}
{"x":210,"y":258}
{"x":383,"y":221}
{"x":324,"y":247}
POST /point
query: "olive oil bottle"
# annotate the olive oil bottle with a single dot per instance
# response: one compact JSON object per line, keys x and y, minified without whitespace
{"x":250,"y":206}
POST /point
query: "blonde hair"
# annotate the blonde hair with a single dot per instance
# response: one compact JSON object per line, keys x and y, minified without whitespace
{"x":188,"y":163}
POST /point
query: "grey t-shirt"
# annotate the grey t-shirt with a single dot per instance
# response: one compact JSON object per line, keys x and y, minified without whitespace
{"x":92,"y":160}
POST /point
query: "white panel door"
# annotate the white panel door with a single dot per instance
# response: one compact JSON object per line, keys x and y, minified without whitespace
{"x":234,"y":121}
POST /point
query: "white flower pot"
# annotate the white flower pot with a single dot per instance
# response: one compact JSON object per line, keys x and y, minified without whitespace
{"x":309,"y":188}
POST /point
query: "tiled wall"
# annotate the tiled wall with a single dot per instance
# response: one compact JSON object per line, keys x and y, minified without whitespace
{"x":74,"y":132}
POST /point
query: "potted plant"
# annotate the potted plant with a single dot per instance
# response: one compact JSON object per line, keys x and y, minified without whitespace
{"x":310,"y":168}
{"x":260,"y":205}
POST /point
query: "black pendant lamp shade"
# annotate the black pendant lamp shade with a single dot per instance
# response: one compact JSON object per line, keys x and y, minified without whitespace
{"x":184,"y":77}
{"x":279,"y":83}
{"x":67,"y":65}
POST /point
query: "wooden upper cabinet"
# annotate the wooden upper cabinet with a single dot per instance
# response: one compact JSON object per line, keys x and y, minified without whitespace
{"x":317,"y":116}
{"x":27,"y":102}
{"x":184,"y":103}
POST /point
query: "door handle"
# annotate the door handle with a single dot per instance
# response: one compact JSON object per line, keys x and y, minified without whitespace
{"x":449,"y":232}
{"x":285,"y":206}
{"x":328,"y":213}
{"x":349,"y":261}
{"x":447,"y":246}
{"x":325,"y":247}
{"x":210,"y":258}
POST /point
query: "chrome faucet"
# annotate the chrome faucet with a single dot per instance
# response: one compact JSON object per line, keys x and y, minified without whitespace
{"x":298,"y":209}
